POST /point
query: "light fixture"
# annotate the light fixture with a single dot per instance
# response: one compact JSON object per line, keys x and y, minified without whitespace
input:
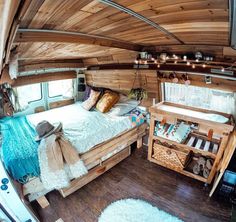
{"x":185,"y":58}
{"x":197,"y":60}
{"x":223,"y":69}
{"x":155,"y":61}
{"x":175,"y":61}
{"x":152,"y":59}
{"x":193,"y":66}
{"x":203,"y":65}
{"x":158,"y":65}
{"x":188,"y":63}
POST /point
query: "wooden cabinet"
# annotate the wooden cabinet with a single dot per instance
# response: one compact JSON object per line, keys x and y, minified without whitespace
{"x":207,"y":137}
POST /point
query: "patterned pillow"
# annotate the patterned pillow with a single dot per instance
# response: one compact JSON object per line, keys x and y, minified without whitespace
{"x":108,"y":100}
{"x":92,"y":100}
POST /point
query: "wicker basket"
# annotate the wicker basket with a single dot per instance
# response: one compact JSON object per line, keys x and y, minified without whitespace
{"x":171,"y":158}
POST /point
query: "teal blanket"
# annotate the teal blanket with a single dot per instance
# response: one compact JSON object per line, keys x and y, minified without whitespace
{"x":19,"y":148}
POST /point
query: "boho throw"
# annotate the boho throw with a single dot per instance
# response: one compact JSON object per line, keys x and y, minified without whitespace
{"x":59,"y":162}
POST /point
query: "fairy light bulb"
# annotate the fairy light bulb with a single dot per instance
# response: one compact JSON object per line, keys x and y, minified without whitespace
{"x":188,"y":63}
{"x":223,"y":69}
{"x":185,"y":58}
{"x":203,"y":65}
{"x":175,"y":61}
{"x":193,"y":66}
{"x":136,"y":61}
{"x":158,"y":65}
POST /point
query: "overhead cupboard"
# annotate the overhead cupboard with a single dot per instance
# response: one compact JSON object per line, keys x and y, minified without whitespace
{"x":188,"y":140}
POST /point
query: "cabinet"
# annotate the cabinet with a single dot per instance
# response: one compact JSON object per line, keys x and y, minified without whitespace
{"x":197,"y":153}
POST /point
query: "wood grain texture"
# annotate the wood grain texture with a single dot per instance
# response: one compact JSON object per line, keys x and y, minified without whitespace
{"x":136,"y":177}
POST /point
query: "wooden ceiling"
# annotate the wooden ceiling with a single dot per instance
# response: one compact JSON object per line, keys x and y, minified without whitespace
{"x":179,"y":26}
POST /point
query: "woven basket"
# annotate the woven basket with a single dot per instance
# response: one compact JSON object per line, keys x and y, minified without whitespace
{"x":169,"y":157}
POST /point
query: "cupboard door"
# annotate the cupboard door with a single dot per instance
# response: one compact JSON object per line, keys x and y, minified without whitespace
{"x":231,"y":146}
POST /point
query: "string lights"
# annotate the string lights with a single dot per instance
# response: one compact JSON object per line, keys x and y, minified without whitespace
{"x":192,"y":60}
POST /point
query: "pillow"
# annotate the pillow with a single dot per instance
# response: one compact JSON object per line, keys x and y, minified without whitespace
{"x":92,"y":100}
{"x":108,"y":100}
{"x":123,"y":106}
{"x":87,"y":92}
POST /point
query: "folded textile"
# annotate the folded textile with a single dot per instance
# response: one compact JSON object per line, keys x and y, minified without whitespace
{"x":59,"y":162}
{"x":175,"y":132}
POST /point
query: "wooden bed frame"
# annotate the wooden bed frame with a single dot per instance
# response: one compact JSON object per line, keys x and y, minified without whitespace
{"x":34,"y":190}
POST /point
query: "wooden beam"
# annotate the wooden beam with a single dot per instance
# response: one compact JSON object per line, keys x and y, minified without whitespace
{"x":37,"y":35}
{"x":232,"y":11}
{"x":30,"y":65}
{"x":199,"y":70}
{"x":46,"y":77}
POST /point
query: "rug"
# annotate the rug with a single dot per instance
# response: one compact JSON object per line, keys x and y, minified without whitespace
{"x":135,"y":210}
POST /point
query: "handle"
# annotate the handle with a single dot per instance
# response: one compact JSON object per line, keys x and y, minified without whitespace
{"x":101,"y":169}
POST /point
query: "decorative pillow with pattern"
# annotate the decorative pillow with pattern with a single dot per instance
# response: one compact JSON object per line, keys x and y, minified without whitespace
{"x":108,"y":100}
{"x":92,"y":100}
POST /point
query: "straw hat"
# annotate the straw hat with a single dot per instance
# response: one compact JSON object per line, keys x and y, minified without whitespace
{"x":45,"y":129}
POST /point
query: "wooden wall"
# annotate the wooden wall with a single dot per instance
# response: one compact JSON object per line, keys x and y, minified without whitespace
{"x":123,"y":80}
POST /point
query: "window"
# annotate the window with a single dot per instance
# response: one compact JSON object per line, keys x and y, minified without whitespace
{"x":29,"y":93}
{"x":205,"y":98}
{"x":61,"y":88}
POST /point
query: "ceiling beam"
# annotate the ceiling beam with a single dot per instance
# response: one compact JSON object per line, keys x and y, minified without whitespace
{"x":39,"y":35}
{"x":142,"y":18}
{"x":31,"y":65}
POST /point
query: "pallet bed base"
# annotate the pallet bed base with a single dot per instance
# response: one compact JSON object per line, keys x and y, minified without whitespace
{"x":34,"y":189}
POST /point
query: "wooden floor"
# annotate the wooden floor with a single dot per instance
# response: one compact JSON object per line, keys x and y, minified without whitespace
{"x":137,"y":178}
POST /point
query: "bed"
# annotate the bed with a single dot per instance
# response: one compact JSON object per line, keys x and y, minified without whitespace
{"x":101,"y":140}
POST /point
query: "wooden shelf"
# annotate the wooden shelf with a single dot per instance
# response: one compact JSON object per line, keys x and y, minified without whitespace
{"x":209,"y":135}
{"x":184,"y":172}
{"x":196,"y":151}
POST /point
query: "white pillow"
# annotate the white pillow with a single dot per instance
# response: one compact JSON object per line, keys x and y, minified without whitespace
{"x":123,"y":106}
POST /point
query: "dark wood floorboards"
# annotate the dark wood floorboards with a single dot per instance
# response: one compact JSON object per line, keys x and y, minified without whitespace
{"x":136,"y":177}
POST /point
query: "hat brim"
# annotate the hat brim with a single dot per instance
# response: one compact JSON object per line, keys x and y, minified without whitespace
{"x":56,"y":129}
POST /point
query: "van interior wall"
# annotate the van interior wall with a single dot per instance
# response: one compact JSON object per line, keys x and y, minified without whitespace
{"x":123,"y":81}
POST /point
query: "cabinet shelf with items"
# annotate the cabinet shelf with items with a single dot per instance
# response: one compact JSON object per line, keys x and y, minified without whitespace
{"x":180,"y":142}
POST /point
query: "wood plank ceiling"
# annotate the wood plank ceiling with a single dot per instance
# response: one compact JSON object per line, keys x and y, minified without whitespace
{"x":198,"y":24}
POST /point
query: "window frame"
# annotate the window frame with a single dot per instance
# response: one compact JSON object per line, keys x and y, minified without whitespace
{"x":41,"y":93}
{"x":51,"y":97}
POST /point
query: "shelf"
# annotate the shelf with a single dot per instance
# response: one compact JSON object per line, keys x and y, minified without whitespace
{"x":184,"y":172}
{"x":196,"y":151}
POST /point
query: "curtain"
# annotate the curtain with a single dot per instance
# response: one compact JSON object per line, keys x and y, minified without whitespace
{"x":201,"y":97}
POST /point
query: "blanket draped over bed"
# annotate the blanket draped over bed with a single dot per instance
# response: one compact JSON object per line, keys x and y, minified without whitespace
{"x":59,"y":162}
{"x":19,"y":148}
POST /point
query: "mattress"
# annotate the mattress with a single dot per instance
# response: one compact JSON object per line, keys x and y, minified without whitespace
{"x":84,"y":129}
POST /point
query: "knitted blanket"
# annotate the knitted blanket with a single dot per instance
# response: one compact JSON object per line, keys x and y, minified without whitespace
{"x":19,"y":148}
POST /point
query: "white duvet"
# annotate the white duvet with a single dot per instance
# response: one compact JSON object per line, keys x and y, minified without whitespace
{"x":83,"y":128}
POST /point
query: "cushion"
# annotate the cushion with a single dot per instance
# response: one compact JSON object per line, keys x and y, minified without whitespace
{"x":108,"y":100}
{"x":87,"y":92}
{"x":92,"y":100}
{"x":123,"y":106}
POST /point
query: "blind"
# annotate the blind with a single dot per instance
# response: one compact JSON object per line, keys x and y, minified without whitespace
{"x":201,"y":97}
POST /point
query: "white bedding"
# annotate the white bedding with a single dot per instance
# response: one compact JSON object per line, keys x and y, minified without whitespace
{"x":83,"y":128}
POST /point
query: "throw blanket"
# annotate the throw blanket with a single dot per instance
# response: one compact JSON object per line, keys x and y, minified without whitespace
{"x":53,"y":152}
{"x":19,"y":148}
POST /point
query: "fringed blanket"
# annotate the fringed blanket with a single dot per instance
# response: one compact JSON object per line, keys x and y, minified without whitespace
{"x":59,"y":162}
{"x":19,"y":148}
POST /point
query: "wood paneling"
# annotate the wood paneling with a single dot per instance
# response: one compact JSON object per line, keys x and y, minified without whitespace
{"x":124,"y":80}
{"x":29,"y":65}
{"x":46,"y":51}
{"x":194,"y":22}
